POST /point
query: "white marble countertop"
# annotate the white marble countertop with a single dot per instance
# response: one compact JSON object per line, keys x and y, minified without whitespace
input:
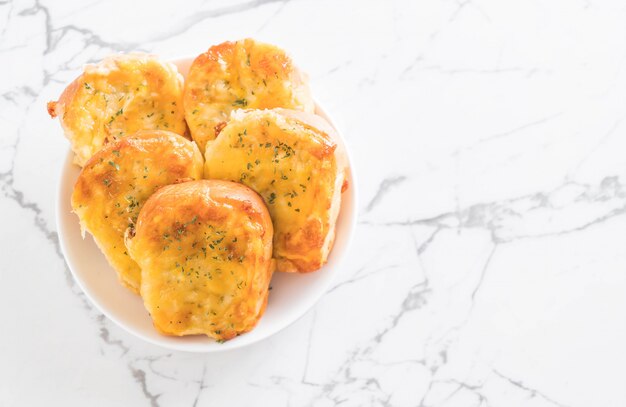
{"x":489,"y":265}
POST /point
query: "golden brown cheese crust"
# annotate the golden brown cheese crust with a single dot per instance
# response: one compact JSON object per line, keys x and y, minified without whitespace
{"x":242,"y":74}
{"x":299,"y":171}
{"x":117,"y":97}
{"x":205,"y":250}
{"x":117,"y":180}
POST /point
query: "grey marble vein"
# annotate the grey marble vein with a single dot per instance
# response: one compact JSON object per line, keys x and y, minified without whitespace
{"x":201,"y":385}
{"x":273,"y":16}
{"x":140,"y":377}
{"x":430,"y":339}
{"x":200,"y":16}
{"x":513,"y":131}
{"x":532,"y":392}
{"x":383,"y":188}
{"x":483,"y":273}
{"x":490,"y":215}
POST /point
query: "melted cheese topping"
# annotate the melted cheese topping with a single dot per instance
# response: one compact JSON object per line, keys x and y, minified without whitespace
{"x":204,"y":248}
{"x":117,"y":97}
{"x":242,"y":74}
{"x":293,"y":166}
{"x":115,"y":183}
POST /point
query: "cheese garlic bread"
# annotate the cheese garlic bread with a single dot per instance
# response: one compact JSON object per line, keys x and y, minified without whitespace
{"x":205,"y":251}
{"x":242,"y":74}
{"x":117,"y":180}
{"x":292,"y":161}
{"x":117,"y":97}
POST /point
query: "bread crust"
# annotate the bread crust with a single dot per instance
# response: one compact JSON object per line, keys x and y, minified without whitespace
{"x":292,"y":160}
{"x":205,"y":250}
{"x":118,"y":179}
{"x":119,"y":96}
{"x":241,"y":74}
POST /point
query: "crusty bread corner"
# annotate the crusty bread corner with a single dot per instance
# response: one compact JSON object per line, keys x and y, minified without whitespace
{"x":88,"y":127}
{"x":111,"y":62}
{"x":52,"y":109}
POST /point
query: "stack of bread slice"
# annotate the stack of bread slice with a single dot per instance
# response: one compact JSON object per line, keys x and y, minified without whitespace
{"x":197,"y":189}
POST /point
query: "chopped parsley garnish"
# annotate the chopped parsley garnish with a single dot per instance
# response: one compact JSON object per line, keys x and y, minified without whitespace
{"x":119,"y":112}
{"x":240,"y":102}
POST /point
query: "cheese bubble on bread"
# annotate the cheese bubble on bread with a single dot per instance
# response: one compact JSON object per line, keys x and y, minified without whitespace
{"x":119,"y":96}
{"x":205,"y":250}
{"x":292,"y":160}
{"x":241,"y":74}
{"x":114,"y":184}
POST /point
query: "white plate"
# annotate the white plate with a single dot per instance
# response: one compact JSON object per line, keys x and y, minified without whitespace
{"x":292,"y":295}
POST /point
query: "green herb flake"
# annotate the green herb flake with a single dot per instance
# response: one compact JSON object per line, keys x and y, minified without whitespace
{"x":240,"y":102}
{"x":119,"y":112}
{"x":272,"y":198}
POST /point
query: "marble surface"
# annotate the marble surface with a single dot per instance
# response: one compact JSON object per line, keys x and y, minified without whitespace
{"x":489,"y":265}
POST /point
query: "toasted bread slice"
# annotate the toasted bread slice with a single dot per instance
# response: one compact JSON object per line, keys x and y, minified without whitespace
{"x":291,"y":159}
{"x":205,"y":250}
{"x":117,"y":180}
{"x":117,"y":97}
{"x":242,"y":74}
